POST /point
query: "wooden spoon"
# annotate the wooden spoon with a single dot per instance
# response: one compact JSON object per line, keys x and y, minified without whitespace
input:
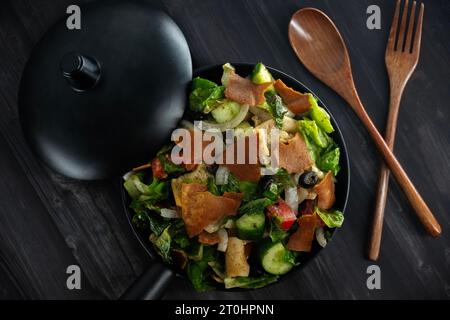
{"x":320,"y":47}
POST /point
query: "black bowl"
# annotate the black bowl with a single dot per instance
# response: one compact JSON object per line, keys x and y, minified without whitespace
{"x":214,"y":73}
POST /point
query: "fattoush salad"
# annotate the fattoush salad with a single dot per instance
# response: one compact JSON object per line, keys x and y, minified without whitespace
{"x":231,"y":225}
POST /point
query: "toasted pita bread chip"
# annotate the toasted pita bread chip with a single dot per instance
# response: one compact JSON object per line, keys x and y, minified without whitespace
{"x":294,"y":155}
{"x":301,"y":240}
{"x":325,"y":192}
{"x":295,"y":101}
{"x":204,"y":208}
{"x":244,"y":91}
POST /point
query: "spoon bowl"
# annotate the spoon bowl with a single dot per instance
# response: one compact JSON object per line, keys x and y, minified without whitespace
{"x":314,"y":33}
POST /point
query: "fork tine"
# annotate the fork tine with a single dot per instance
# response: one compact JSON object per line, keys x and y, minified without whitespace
{"x":409,"y":33}
{"x":418,"y":35}
{"x":393,"y":32}
{"x":401,"y":33}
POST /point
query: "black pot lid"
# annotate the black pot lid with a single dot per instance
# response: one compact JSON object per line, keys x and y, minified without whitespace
{"x":97,"y":101}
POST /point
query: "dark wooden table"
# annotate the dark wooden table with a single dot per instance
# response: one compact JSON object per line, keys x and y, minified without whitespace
{"x":48,"y":222}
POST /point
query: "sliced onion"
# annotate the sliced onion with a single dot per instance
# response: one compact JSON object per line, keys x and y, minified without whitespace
{"x":223,"y":240}
{"x":296,"y":177}
{"x":291,"y":198}
{"x":320,"y":237}
{"x":320,"y":173}
{"x":217,"y":268}
{"x":170,"y":213}
{"x":213,"y":227}
{"x":304,"y":194}
{"x":290,"y":125}
{"x":268,"y":171}
{"x":206,"y":125}
{"x":127,"y":175}
{"x":289,"y":113}
{"x":217,"y":278}
{"x":230,"y":224}
{"x":222,"y":174}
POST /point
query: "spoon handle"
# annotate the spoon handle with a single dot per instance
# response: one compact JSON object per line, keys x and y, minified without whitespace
{"x":420,"y":207}
{"x":383,"y":178}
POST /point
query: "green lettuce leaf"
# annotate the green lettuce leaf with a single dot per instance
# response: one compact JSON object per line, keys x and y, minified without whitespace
{"x":154,"y":192}
{"x":314,"y":133}
{"x":320,"y":116}
{"x":204,"y":95}
{"x":212,"y":186}
{"x":322,"y":148}
{"x":273,"y":191}
{"x":170,"y":167}
{"x":195,"y":251}
{"x":330,"y":161}
{"x":178,"y":233}
{"x":231,"y":186}
{"x":284,"y":178}
{"x":162,"y":244}
{"x":144,"y":203}
{"x":333,"y":219}
{"x":249,"y":189}
{"x":147,"y":217}
{"x":276,"y":233}
{"x":197,"y":271}
{"x":314,"y":150}
{"x":257,"y":205}
{"x":275,"y":108}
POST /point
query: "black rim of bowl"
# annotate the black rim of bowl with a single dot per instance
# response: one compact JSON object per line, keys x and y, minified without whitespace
{"x":343,"y":177}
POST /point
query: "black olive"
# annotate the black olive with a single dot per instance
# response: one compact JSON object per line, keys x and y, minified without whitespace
{"x":308,"y":179}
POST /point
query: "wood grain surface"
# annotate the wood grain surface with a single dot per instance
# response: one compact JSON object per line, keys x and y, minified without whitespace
{"x":48,"y":222}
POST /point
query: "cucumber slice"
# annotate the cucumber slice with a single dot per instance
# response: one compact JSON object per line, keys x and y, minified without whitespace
{"x":275,"y":258}
{"x":260,"y":74}
{"x":250,"y":226}
{"x":226,"y":111}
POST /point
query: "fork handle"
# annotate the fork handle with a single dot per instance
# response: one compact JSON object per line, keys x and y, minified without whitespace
{"x":421,"y":209}
{"x":383,"y":178}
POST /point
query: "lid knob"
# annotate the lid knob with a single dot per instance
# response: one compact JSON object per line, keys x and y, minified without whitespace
{"x":81,"y":72}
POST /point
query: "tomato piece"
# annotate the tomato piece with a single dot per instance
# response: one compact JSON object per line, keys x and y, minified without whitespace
{"x":282,"y":214}
{"x":158,"y":169}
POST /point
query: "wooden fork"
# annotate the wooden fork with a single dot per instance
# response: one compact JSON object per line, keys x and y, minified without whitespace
{"x":402,"y":55}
